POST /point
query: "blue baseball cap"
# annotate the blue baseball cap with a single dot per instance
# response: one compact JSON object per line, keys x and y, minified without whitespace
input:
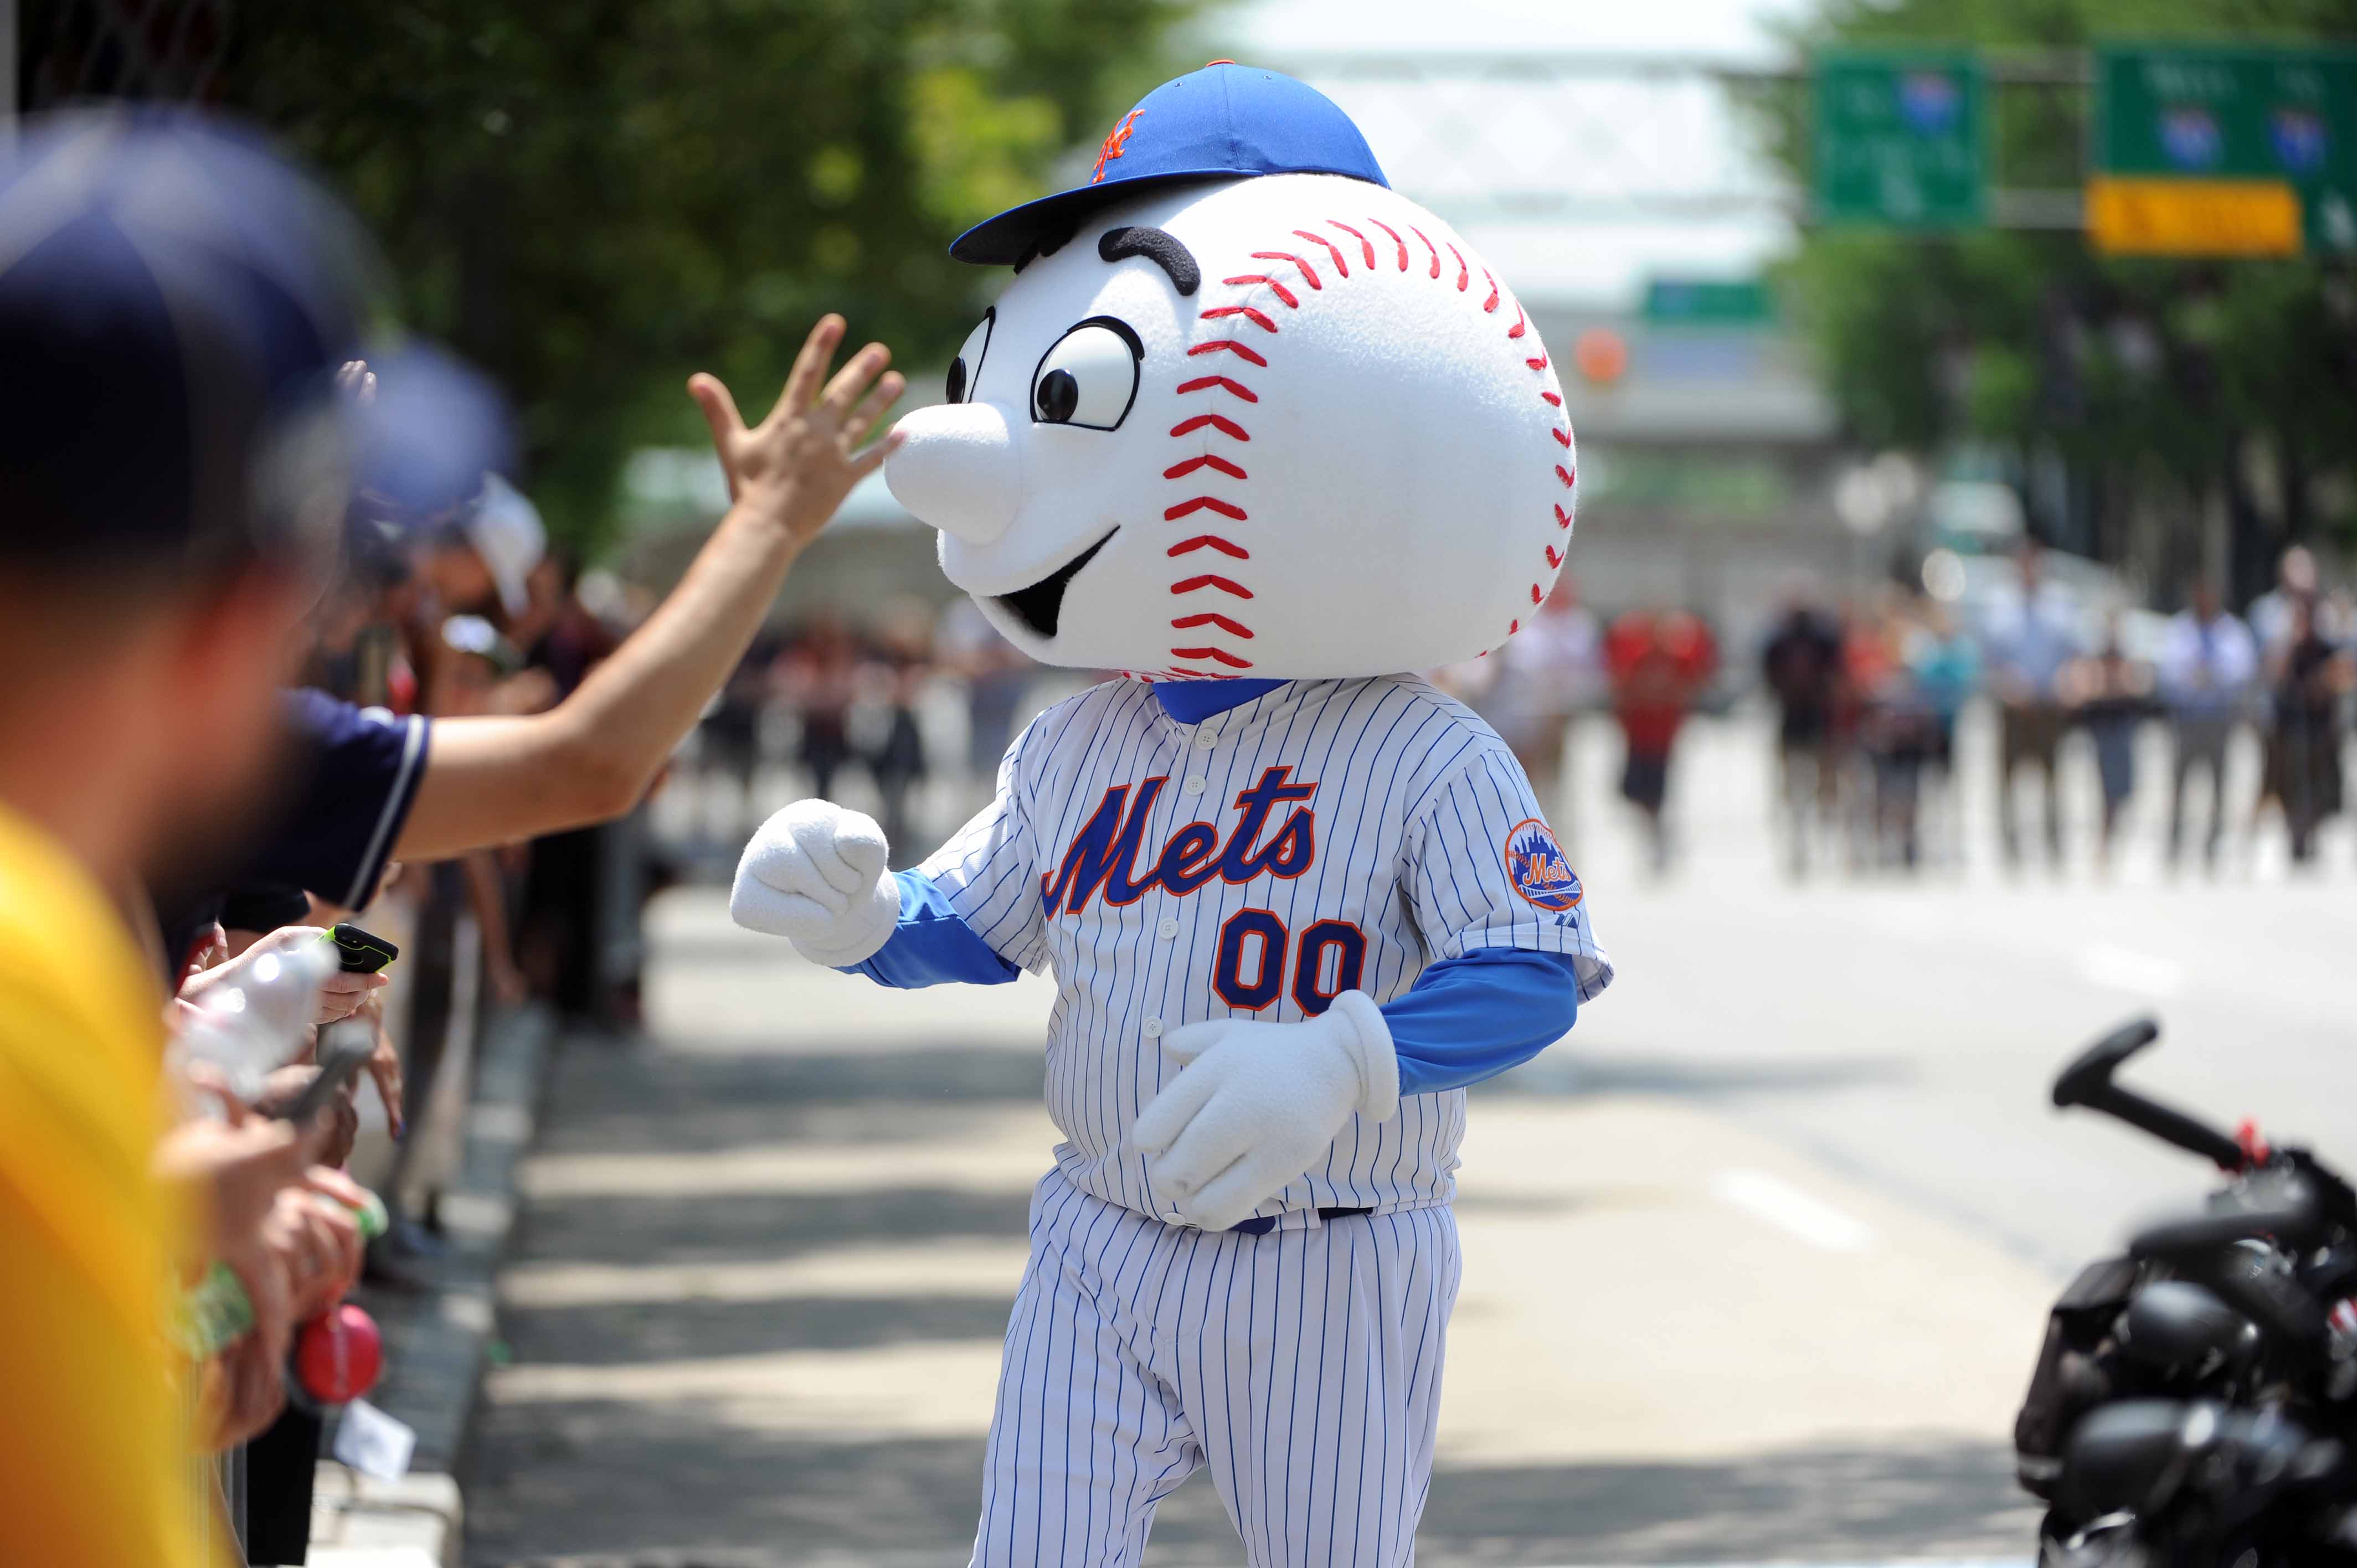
{"x":175,"y":299}
{"x":1219,"y":122}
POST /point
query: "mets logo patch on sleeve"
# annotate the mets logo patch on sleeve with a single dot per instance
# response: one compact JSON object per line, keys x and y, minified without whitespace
{"x":1537,"y":867}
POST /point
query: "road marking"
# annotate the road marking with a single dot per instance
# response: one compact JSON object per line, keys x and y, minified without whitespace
{"x":1790,"y":1209}
{"x":2116,"y":968}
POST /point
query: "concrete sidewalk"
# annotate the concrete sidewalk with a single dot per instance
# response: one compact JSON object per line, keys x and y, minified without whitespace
{"x":436,"y":1340}
{"x":766,"y":1258}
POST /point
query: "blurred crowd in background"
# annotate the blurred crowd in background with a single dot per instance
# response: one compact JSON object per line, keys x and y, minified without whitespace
{"x":1863,"y":689}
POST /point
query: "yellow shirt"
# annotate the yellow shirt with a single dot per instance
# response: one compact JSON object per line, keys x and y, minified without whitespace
{"x":95,"y":1468}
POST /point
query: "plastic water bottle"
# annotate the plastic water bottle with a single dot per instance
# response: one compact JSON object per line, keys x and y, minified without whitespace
{"x":246,"y":1029}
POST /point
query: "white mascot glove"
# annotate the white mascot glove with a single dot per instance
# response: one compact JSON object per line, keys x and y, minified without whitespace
{"x":817,"y":875}
{"x":1260,"y":1103}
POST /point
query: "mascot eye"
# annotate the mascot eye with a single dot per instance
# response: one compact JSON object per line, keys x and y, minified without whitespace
{"x":966,"y":369}
{"x":1089,"y":377}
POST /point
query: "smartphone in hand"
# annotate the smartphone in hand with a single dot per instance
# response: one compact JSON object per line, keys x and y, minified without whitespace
{"x":358,"y":952}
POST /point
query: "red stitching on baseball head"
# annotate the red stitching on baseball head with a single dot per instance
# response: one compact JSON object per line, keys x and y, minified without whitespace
{"x":1203,"y":503}
{"x":1462,"y":275}
{"x":1230,"y":660}
{"x":1490,"y":304}
{"x":1333,"y":249}
{"x":1364,"y":244}
{"x":1213,"y":580}
{"x":1562,"y":436}
{"x":1201,"y":383}
{"x":1212,"y":618}
{"x":1554,"y":398}
{"x":1180,"y":470}
{"x":1275,"y":288}
{"x":1516,"y":330}
{"x":1218,"y":422}
{"x":1566,"y":475}
{"x":1427,"y":246}
{"x":1309,"y":273}
{"x":1247,"y":311}
{"x":1238,"y":351}
{"x":1209,"y":542}
{"x":1395,"y":239}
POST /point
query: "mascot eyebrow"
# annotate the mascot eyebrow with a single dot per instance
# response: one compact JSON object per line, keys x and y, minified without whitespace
{"x":1157,"y":245}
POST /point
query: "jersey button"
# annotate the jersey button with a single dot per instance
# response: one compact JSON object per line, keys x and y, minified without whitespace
{"x":1196,"y":785}
{"x":1167,"y":929}
{"x":1151,"y":1028}
{"x":1205,"y":740}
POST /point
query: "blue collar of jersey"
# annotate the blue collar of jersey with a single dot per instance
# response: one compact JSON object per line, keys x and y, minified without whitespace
{"x":1192,"y":702}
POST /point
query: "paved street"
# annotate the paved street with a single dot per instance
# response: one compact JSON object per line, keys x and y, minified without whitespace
{"x":1755,"y":1261}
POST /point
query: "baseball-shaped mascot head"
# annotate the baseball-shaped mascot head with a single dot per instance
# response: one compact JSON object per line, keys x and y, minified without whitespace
{"x":1245,"y":411}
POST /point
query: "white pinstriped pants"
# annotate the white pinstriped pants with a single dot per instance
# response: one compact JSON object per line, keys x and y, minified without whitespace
{"x":1302,"y":1365}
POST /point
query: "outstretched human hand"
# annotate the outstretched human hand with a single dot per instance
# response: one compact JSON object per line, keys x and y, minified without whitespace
{"x":797,"y":465}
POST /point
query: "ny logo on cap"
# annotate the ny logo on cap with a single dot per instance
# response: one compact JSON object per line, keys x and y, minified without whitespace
{"x":1115,"y":139}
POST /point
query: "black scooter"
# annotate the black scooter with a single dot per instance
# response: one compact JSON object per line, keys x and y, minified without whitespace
{"x":2192,"y":1403}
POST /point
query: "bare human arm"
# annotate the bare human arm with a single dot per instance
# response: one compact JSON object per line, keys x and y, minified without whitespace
{"x":490,"y":780}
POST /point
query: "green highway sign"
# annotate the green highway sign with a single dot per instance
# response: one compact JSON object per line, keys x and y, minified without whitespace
{"x":1708,"y":302}
{"x":1899,"y":139}
{"x":2256,"y":120}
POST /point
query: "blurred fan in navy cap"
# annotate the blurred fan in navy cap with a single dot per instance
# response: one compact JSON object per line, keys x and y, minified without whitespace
{"x":174,"y":304}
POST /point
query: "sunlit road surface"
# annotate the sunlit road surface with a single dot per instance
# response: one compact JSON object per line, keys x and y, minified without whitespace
{"x":1756,"y":1260}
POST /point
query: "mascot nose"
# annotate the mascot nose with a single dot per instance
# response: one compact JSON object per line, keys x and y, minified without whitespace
{"x":957,"y":469}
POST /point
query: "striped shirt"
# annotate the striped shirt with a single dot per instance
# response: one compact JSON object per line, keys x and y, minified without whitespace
{"x":1326,"y":835}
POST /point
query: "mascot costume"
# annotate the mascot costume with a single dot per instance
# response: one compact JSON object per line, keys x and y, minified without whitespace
{"x":1264,"y":434}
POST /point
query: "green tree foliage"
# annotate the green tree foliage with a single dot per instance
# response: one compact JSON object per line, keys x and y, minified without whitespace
{"x":592,"y":197}
{"x":2160,"y":383}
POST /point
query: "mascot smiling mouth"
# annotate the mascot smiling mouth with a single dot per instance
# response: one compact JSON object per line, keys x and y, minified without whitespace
{"x":1038,"y":606}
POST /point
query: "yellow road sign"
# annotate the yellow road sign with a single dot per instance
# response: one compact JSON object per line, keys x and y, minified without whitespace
{"x":2166,"y":217}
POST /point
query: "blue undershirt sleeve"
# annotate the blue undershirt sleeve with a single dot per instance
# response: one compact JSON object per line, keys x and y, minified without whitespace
{"x":931,"y":946}
{"x":1470,"y":1018}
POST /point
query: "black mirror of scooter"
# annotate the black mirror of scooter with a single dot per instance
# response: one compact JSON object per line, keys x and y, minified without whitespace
{"x":2090,"y":1073}
{"x":2087,"y":1081}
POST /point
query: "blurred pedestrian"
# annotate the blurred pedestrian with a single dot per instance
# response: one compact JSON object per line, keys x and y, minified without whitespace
{"x":2030,"y":636}
{"x":2208,"y":661}
{"x":1659,"y":661}
{"x":893,"y":746}
{"x":2310,"y":677}
{"x":2273,"y":612}
{"x":1945,"y":665}
{"x":1801,"y":665}
{"x":1546,"y":674}
{"x":482,"y":561}
{"x":1895,"y":729}
{"x":997,"y":676}
{"x":2110,"y":693}
{"x":731,"y":740}
{"x":817,"y":675}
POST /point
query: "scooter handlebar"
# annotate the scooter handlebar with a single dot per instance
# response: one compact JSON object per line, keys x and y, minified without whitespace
{"x":2087,"y":1081}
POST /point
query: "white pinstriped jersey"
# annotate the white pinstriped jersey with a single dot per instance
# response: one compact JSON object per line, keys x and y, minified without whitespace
{"x":1324,"y":836}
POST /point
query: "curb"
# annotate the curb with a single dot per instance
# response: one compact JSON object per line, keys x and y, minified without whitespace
{"x":435,"y":1341}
